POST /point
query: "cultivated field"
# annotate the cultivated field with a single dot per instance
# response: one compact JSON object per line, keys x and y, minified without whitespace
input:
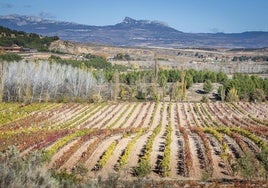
{"x":179,"y":140}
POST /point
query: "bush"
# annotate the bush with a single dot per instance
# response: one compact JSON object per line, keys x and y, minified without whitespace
{"x":16,"y":171}
{"x":204,"y":99}
{"x":64,"y":178}
{"x":10,"y":57}
{"x":249,"y":168}
{"x":144,"y":168}
{"x":95,"y":98}
{"x":257,"y":95}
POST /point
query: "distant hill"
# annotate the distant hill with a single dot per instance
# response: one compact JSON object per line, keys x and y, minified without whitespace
{"x":131,"y":32}
{"x":10,"y":37}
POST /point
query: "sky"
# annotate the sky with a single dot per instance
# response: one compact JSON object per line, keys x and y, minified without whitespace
{"x":195,"y":16}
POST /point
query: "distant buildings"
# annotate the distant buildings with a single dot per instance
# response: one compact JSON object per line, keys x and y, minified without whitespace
{"x":13,"y":48}
{"x":16,"y":49}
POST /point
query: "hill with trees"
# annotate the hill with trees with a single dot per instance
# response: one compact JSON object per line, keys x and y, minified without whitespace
{"x":10,"y":37}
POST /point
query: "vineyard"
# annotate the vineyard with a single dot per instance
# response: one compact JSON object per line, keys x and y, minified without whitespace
{"x":159,"y":140}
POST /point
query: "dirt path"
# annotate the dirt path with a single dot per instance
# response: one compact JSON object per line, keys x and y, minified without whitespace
{"x":93,"y":159}
{"x":193,"y":116}
{"x":159,"y":142}
{"x":218,"y":171}
{"x":202,"y":107}
{"x":147,"y":119}
{"x":71,"y":162}
{"x":196,"y":174}
{"x":99,"y":116}
{"x":142,"y":113}
{"x":156,"y":118}
{"x":174,"y":144}
{"x":106,"y":118}
{"x":137,"y":149}
{"x":91,"y":116}
{"x":60,"y":152}
{"x":130,"y":119}
{"x":233,"y":147}
{"x":122,"y":111}
{"x":61,"y":117}
{"x":125,"y":115}
{"x":109,"y":166}
{"x":183,"y":120}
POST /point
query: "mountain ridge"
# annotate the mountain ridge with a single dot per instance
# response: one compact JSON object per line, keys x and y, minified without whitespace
{"x":132,"y":32}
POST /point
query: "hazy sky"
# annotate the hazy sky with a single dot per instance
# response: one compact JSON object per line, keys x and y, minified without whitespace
{"x":185,"y":15}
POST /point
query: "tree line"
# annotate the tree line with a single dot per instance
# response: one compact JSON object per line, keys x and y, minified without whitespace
{"x":250,"y":58}
{"x":95,"y":79}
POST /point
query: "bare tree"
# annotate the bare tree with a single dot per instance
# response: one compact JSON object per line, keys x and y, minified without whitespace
{"x":2,"y":69}
{"x":42,"y":81}
{"x":115,"y":86}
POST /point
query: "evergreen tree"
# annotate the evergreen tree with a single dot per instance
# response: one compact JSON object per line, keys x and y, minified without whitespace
{"x":207,"y":87}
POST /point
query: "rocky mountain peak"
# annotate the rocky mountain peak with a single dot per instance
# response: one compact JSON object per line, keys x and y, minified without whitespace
{"x":132,"y":32}
{"x":129,"y":20}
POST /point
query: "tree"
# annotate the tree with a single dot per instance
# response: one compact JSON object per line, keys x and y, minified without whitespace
{"x":221,"y":93}
{"x":153,"y":92}
{"x":115,"y":88}
{"x":257,"y":95}
{"x":184,"y":85}
{"x":179,"y":89}
{"x":207,"y":87}
{"x":2,"y":71}
{"x":126,"y":93}
{"x":232,"y":95}
{"x":176,"y":91}
{"x":162,"y":81}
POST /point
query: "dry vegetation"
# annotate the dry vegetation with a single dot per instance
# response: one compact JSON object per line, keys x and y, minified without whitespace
{"x":199,"y":59}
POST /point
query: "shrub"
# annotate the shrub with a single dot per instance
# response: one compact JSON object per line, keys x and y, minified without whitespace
{"x":16,"y":171}
{"x":248,"y":167}
{"x":64,"y":178}
{"x":95,"y":98}
{"x":144,"y":168}
{"x":204,"y":99}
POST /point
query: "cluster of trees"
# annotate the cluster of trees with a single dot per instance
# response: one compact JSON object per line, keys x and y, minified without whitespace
{"x":96,"y":62}
{"x":93,"y":62}
{"x":171,"y":76}
{"x":9,"y":57}
{"x":9,"y":37}
{"x":121,"y":56}
{"x":248,"y":58}
{"x":44,"y":81}
{"x":244,"y":87}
